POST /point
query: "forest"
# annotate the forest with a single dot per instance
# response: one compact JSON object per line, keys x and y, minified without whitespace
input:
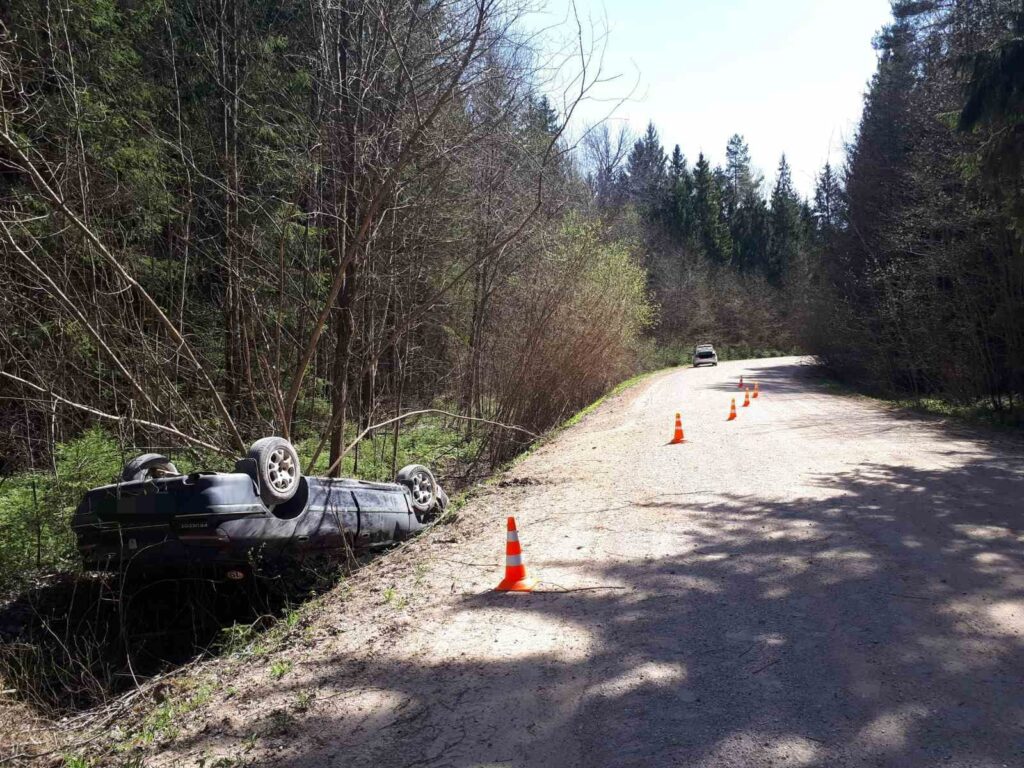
{"x":222,"y":220}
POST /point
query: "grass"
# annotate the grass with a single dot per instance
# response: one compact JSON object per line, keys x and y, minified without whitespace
{"x":279,"y":669}
{"x":394,"y":599}
{"x":979,"y":413}
{"x":162,"y":722}
{"x":304,"y":700}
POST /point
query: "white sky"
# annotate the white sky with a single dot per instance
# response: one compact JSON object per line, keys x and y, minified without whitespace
{"x":788,"y":75}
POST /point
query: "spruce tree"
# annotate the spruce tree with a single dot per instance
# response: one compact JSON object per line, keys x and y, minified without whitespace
{"x":828,"y":205}
{"x":647,"y":178}
{"x":679,"y":208}
{"x":785,"y":225}
{"x":712,"y":232}
{"x":739,"y":176}
{"x":750,"y":233}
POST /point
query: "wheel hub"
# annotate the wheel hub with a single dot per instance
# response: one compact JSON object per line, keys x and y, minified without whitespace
{"x":281,"y":470}
{"x":422,"y":488}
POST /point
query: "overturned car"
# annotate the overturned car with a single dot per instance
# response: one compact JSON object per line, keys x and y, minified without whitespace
{"x":155,"y":518}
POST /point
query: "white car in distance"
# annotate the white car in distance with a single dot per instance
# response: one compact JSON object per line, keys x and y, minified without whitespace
{"x":704,"y":354}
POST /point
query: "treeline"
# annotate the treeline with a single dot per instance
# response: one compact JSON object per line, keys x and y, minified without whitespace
{"x":922,"y":289}
{"x":729,"y":256}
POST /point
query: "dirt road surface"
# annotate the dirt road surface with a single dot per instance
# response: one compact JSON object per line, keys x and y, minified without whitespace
{"x":823,"y":582}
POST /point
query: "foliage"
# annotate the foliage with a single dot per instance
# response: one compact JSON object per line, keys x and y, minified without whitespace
{"x":36,"y":507}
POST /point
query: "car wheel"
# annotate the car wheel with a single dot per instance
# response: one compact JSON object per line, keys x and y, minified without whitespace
{"x":422,"y":487}
{"x":277,"y":469}
{"x":147,"y":466}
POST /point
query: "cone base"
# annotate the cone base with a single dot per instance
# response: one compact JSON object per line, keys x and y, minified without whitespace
{"x":674,"y":441}
{"x":732,"y":417}
{"x":522,"y":585}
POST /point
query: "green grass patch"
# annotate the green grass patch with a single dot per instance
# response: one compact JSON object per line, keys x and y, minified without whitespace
{"x":279,"y":669}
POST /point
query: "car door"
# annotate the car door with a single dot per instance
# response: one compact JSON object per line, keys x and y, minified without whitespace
{"x":384,"y":514}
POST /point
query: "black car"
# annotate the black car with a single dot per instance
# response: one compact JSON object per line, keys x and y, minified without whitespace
{"x":155,"y":518}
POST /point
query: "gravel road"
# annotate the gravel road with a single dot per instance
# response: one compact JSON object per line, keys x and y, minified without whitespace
{"x":823,"y":582}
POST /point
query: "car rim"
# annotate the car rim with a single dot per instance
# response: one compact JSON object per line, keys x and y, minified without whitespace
{"x":422,"y":488}
{"x":281,"y":470}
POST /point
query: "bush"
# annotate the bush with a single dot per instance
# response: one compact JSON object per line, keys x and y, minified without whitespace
{"x":570,"y":329}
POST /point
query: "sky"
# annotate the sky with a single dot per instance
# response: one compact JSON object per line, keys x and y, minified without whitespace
{"x":788,"y":75}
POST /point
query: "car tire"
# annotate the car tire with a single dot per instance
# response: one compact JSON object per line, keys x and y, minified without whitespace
{"x":422,"y":487}
{"x":142,"y":467}
{"x":277,"y":469}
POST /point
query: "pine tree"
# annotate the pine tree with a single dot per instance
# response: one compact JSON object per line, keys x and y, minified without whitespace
{"x":543,"y":116}
{"x":995,"y":105}
{"x":876,"y":185}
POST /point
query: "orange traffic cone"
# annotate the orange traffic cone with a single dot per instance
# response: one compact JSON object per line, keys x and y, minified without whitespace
{"x":732,"y":410}
{"x":678,"y":437}
{"x":757,"y":390}
{"x":515,"y":572}
{"x":746,"y":398}
{"x":740,"y":385}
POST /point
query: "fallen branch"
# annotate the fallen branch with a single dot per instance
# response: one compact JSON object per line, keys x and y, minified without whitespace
{"x":365,"y":432}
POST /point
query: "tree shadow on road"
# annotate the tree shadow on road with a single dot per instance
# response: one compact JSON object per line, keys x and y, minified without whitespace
{"x":797,"y":377}
{"x":881,"y":626}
